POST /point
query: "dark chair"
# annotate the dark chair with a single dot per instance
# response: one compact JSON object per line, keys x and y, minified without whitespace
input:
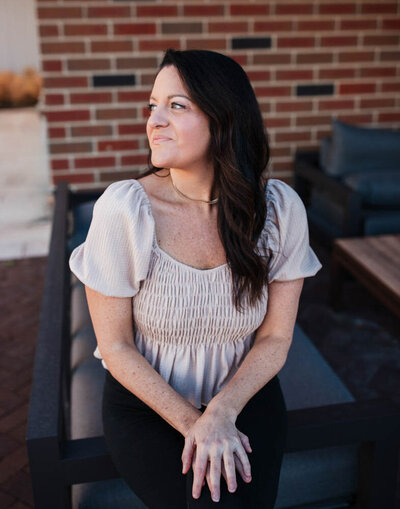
{"x":351,"y":186}
{"x":339,"y":451}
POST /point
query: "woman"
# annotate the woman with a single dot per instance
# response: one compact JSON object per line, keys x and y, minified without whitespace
{"x":179,"y":266}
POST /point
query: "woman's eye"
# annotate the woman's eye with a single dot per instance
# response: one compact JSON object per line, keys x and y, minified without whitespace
{"x":180,"y":105}
{"x":151,"y":106}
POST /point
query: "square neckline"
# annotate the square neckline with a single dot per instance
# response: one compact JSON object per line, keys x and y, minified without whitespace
{"x":212,"y":269}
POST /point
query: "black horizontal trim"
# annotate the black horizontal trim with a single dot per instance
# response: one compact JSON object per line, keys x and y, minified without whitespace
{"x":315,"y":89}
{"x":251,"y":42}
{"x":116,"y":80}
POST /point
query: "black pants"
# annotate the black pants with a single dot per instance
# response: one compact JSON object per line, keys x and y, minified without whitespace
{"x":146,"y":450}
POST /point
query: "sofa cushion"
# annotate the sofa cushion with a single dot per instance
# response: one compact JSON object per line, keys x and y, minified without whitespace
{"x":82,"y":217}
{"x":380,"y":188}
{"x":360,"y":149}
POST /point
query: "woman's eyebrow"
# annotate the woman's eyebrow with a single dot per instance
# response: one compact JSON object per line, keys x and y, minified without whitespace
{"x":173,"y":95}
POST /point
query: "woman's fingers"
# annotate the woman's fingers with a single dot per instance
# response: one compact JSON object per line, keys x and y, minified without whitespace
{"x":240,"y":469}
{"x":215,"y":476}
{"x":199,"y":472}
{"x":245,"y":441}
{"x":230,"y":470}
{"x":241,"y":454}
{"x":187,"y":454}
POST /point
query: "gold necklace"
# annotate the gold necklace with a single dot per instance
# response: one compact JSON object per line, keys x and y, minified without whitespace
{"x":211,"y":202}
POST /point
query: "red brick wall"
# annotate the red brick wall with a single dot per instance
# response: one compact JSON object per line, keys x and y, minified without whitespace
{"x":308,"y":62}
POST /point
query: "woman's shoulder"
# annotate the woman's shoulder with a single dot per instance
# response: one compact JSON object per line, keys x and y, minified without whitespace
{"x":122,"y":196}
{"x":282,"y":200}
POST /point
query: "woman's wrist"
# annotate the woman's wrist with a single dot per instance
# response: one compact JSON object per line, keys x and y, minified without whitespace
{"x":218,"y":408}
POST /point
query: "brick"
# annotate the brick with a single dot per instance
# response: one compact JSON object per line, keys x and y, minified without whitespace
{"x":156,"y":10}
{"x":272,"y":91}
{"x":301,"y":74}
{"x":136,"y":62}
{"x":66,"y":82}
{"x":377,"y":72}
{"x":338,"y":41}
{"x":52,"y":65}
{"x":70,"y":148}
{"x":51,"y":48}
{"x":249,"y":10}
{"x":379,"y":8}
{"x":109,"y":12}
{"x":115,"y":113}
{"x":88,"y":29}
{"x":54,"y":99}
{"x":114,"y":80}
{"x":316,"y":89}
{"x":181,"y":28}
{"x":134,"y":159}
{"x":135,"y":29}
{"x":313,"y":120}
{"x":56,"y":132}
{"x":210,"y":44}
{"x":274,"y":122}
{"x":388,"y":117}
{"x":293,"y":136}
{"x":137,"y":95}
{"x":106,"y":145}
{"x":259,"y":75}
{"x":94,"y":162}
{"x":336,"y":104}
{"x":283,"y":107}
{"x":272,"y":58}
{"x":59,"y":12}
{"x":90,"y":98}
{"x":67,"y":116}
{"x":110,"y":46}
{"x":387,"y":56}
{"x":356,"y":88}
{"x":390,"y":87}
{"x":250,"y":42}
{"x":295,"y":42}
{"x":314,"y":58}
{"x":358,"y":24}
{"x":285,"y":9}
{"x":228,"y":26}
{"x":273,"y":26}
{"x":356,"y":56}
{"x":380,"y":40}
{"x":89,"y":64}
{"x":203,"y":10}
{"x":317,"y":25}
{"x":48,"y":30}
{"x":280,"y":152}
{"x":91,"y":130}
{"x":159,"y":44}
{"x":356,"y":118}
{"x":132,"y":129}
{"x":335,"y":8}
{"x":59,"y":164}
{"x":391,"y":23}
{"x":74,"y":178}
{"x":377,"y":102}
{"x":20,"y":486}
{"x":340,"y":72}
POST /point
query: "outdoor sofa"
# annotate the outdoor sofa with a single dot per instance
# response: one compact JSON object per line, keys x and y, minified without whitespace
{"x":340,"y":452}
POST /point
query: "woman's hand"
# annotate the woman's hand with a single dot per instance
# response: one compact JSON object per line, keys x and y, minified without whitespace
{"x":212,"y":438}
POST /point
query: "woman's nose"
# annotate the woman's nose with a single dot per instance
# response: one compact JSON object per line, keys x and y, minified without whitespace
{"x":158,"y":118}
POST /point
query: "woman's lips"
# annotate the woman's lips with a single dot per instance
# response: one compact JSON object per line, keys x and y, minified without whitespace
{"x":156,"y":141}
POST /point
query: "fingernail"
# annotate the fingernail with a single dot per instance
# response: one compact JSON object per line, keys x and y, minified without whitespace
{"x":215,"y":498}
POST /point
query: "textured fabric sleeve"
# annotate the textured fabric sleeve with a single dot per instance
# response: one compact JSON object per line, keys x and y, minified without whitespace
{"x":291,"y":256}
{"x":115,"y":255}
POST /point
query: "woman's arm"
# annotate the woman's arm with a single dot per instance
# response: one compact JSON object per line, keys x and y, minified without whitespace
{"x":113,"y":325}
{"x":265,"y":359}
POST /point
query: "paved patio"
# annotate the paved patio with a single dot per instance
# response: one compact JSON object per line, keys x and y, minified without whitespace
{"x":361,"y":342}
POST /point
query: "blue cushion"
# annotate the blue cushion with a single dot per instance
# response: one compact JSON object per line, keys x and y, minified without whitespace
{"x":360,"y":149}
{"x":381,"y":188}
{"x":82,"y":215}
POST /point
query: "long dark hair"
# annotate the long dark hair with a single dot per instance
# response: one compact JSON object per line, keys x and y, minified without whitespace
{"x":240,"y":153}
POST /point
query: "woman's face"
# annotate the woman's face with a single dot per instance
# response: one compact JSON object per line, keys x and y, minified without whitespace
{"x":182,"y":127}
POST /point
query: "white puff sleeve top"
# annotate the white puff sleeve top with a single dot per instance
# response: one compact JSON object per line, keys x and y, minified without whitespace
{"x":185,"y":323}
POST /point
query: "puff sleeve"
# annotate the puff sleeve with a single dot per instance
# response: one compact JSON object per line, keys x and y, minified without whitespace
{"x":286,"y":232}
{"x":115,"y":255}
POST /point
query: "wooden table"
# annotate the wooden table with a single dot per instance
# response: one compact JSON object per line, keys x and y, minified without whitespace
{"x":374,"y":261}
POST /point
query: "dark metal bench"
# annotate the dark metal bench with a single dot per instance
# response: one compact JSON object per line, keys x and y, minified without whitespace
{"x":331,"y":435}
